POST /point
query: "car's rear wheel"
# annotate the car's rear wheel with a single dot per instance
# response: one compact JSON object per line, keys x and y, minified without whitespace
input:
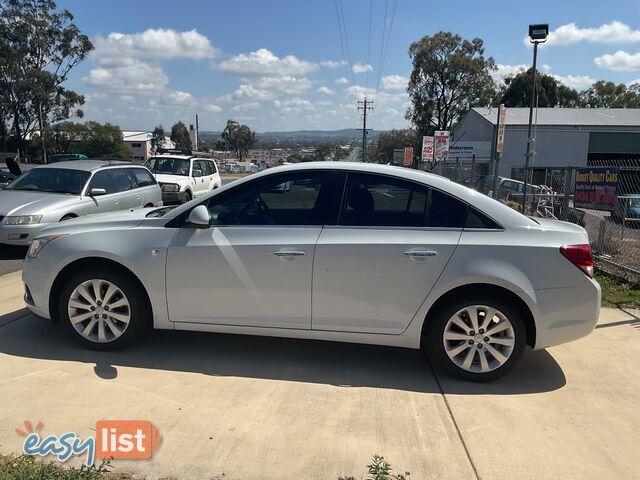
{"x":103,"y":309}
{"x":476,"y":338}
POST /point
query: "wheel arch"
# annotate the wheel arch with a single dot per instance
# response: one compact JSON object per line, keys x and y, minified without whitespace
{"x":485,"y":289}
{"x":92,"y":262}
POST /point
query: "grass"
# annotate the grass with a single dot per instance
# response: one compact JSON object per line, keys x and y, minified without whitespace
{"x":30,"y":468}
{"x":617,"y":292}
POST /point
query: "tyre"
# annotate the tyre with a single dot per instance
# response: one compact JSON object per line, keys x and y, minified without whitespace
{"x":103,"y":309}
{"x":476,"y":337}
{"x":187,"y":197}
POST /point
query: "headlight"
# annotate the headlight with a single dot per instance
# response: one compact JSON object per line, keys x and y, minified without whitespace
{"x":39,"y":243}
{"x":24,"y":220}
{"x":170,"y":187}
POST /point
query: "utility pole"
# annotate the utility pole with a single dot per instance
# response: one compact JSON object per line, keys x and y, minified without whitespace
{"x":364,"y":106}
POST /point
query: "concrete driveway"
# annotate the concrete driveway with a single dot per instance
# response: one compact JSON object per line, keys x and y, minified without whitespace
{"x":255,"y":408}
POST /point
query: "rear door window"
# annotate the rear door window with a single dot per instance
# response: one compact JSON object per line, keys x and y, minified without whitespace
{"x":102,"y":179}
{"x":142,"y":177}
{"x":121,"y":180}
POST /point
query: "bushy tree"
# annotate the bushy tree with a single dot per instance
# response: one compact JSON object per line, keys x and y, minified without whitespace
{"x":238,"y":138}
{"x":180,"y":136}
{"x":449,"y":76}
{"x":389,"y":141}
{"x":611,"y":95}
{"x":91,"y":138}
{"x":550,"y":92}
{"x":157,"y":137}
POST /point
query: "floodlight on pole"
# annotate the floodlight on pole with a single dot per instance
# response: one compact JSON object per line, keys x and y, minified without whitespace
{"x":538,"y":33}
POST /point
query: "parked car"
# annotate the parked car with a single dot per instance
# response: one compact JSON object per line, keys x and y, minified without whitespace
{"x":63,"y":157}
{"x":433,"y":265}
{"x":183,"y":177}
{"x":6,"y":178}
{"x":55,"y":193}
{"x":627,"y":209}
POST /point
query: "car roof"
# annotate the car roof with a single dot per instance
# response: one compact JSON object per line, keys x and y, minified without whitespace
{"x":89,"y":164}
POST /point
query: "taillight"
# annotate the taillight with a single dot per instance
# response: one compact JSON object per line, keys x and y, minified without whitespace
{"x":580,"y":256}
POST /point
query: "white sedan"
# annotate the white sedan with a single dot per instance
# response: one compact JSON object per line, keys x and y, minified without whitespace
{"x":350,"y":252}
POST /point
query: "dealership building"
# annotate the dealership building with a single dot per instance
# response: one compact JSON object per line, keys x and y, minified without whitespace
{"x":564,"y":137}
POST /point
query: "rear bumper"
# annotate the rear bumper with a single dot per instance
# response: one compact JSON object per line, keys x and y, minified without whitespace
{"x":566,"y":314}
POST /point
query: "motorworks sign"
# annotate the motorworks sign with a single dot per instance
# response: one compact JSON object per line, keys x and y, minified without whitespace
{"x":596,"y":188}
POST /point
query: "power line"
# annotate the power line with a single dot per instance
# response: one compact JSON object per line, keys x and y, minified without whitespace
{"x":369,"y":42}
{"x":344,"y":55}
{"x":386,"y":47}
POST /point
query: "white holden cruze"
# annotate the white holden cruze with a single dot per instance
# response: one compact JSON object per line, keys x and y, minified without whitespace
{"x":349,"y":252}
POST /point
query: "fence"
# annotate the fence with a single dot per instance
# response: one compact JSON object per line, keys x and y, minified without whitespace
{"x":614,"y":233}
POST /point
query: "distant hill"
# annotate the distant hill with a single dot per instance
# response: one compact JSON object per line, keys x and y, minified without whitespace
{"x":347,"y":134}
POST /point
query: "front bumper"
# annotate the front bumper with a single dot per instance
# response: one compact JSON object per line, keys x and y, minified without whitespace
{"x":171,"y":198}
{"x":20,"y":234}
{"x":37,"y":278}
{"x":566,"y":314}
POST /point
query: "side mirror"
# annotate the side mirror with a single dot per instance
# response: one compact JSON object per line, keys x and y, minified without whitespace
{"x":199,"y":217}
{"x":197,"y":173}
{"x":96,"y":192}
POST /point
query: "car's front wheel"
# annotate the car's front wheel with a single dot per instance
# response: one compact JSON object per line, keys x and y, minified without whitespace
{"x":476,"y":338}
{"x":103,"y":309}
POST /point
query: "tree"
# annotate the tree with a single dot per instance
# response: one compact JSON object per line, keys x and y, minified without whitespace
{"x":238,"y":138}
{"x":180,"y":136}
{"x":449,"y":76}
{"x":39,"y":46}
{"x":91,"y":138}
{"x":389,"y":141}
{"x":609,"y":95}
{"x":157,"y":137}
{"x":322,"y":151}
{"x":550,"y":92}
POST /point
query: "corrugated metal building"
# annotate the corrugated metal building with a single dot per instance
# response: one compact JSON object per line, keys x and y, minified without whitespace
{"x":564,"y":136}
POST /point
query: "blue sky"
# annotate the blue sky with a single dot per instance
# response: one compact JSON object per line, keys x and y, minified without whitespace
{"x":279,"y":65}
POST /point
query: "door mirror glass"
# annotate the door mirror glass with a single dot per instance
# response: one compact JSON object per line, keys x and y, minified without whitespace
{"x":199,"y":217}
{"x":96,"y":192}
{"x":197,"y":173}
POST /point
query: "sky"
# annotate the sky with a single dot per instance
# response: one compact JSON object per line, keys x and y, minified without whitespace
{"x":281,"y":65}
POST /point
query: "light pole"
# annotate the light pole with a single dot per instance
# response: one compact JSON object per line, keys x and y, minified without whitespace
{"x":537,"y":34}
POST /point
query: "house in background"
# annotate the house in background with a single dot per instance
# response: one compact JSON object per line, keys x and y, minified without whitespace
{"x":140,"y":144}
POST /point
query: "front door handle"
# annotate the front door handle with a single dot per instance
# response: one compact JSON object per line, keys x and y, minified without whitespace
{"x":289,"y":253}
{"x":421,"y":253}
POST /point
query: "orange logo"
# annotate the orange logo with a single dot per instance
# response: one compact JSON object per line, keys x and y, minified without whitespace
{"x":126,"y":439}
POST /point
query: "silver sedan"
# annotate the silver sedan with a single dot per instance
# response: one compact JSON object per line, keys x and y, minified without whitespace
{"x":349,"y":252}
{"x":58,"y":192}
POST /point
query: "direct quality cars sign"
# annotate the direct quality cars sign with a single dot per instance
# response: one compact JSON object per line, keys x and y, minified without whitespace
{"x":597,"y":188}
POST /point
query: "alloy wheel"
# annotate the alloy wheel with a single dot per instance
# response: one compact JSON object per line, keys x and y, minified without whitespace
{"x":479,"y":338}
{"x":99,"y":310}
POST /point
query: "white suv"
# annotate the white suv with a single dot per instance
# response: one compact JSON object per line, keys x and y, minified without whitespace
{"x":183,"y":177}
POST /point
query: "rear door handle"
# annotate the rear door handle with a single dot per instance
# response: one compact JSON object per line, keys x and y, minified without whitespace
{"x":421,"y":253}
{"x":289,"y":253}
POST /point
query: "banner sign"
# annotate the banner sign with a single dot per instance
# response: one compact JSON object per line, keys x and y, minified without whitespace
{"x":597,"y":188}
{"x":398,"y":156}
{"x":503,"y":116}
{"x":464,"y":149}
{"x":408,"y":155}
{"x":441,"y":145}
{"x":427,"y":149}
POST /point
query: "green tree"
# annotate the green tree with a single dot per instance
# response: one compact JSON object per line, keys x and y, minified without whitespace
{"x":238,"y":138}
{"x":157,"y":137}
{"x":91,"y":138}
{"x":180,"y":136}
{"x":389,"y":141}
{"x":550,"y":92}
{"x":322,"y":151}
{"x":611,"y":95}
{"x":450,"y":75}
{"x":39,"y":46}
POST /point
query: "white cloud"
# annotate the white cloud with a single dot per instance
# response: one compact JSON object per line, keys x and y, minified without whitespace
{"x":578,"y":82}
{"x":121,"y":49}
{"x":614,"y":32}
{"x":136,"y":78}
{"x":213,"y":108}
{"x":394,"y":82}
{"x":503,"y":71}
{"x":266,"y":89}
{"x":620,"y":60}
{"x":359,"y":92}
{"x":361,"y":68}
{"x":179,"y":98}
{"x":243,"y":107}
{"x":325,"y":91}
{"x":332,"y":63}
{"x":342,"y":80}
{"x":293,"y":105}
{"x":263,"y":63}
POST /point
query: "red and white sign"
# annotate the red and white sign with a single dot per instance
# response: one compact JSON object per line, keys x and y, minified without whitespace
{"x":501,"y":123}
{"x":441,"y":144}
{"x":408,"y":155}
{"x":427,"y":149}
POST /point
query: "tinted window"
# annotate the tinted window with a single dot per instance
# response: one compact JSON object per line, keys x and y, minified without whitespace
{"x":206,"y":167}
{"x":52,"y":180}
{"x":214,"y":169}
{"x":121,"y":180}
{"x":377,"y":200}
{"x":102,"y":179}
{"x":445,"y":211}
{"x":168,"y":165}
{"x":476,"y":219}
{"x":293,"y":199}
{"x":141,"y":177}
